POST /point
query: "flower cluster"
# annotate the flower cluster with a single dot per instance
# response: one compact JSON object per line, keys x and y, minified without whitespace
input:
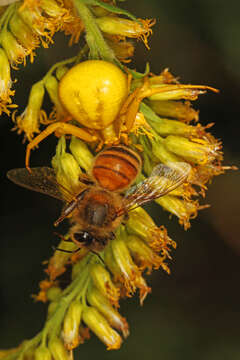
{"x":100,"y":102}
{"x":25,"y":25}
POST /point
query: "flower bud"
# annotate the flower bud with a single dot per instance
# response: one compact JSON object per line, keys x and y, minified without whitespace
{"x":173,"y":127}
{"x":53,"y":293}
{"x":22,"y":32}
{"x":54,"y":10}
{"x":51,"y":85}
{"x":58,"y":350}
{"x":101,"y":303}
{"x":81,"y":153}
{"x":30,"y":119}
{"x":71,"y":323}
{"x":122,"y":50}
{"x":42,"y":353}
{"x":111,"y":263}
{"x":60,"y":71}
{"x":130,"y":275}
{"x":124,"y":259}
{"x":5,"y":83}
{"x":16,"y":53}
{"x":38,"y":24}
{"x":99,"y":325}
{"x":140,"y":223}
{"x":175,"y":109}
{"x":115,"y":25}
{"x":198,"y":151}
{"x":162,"y":153}
{"x":102,"y":280}
{"x":66,"y":167}
{"x":143,"y":254}
{"x":183,"y":209}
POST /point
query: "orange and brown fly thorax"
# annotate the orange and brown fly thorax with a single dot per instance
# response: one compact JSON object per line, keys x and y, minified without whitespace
{"x":116,"y":168}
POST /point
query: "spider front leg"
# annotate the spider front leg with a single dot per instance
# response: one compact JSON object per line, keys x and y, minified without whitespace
{"x":129,"y":110}
{"x":170,"y":91}
{"x":64,"y":129}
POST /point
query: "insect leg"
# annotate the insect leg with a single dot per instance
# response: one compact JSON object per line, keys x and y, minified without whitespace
{"x":64,"y":128}
{"x":66,"y":251}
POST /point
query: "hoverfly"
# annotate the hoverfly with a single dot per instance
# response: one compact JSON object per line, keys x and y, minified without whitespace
{"x":98,"y":206}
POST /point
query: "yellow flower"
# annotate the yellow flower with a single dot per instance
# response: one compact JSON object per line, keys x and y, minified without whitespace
{"x":125,"y":110}
{"x":16,"y":53}
{"x":74,"y":25}
{"x":143,"y":255}
{"x":29,"y":121}
{"x":114,"y":25}
{"x":38,"y":23}
{"x":58,"y":350}
{"x":123,"y":50}
{"x":70,"y":332}
{"x":100,"y":326}
{"x":55,"y":11}
{"x":103,"y":305}
{"x":198,"y":151}
{"x":141,"y":224}
{"x":184,"y":210}
{"x":66,"y":169}
{"x":5,"y":84}
{"x":81,"y":153}
{"x":175,"y":109}
{"x":128,"y":272}
{"x":24,"y":35}
{"x":124,"y":269}
{"x":103,"y":282}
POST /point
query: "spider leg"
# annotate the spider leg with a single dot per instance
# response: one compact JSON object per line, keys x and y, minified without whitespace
{"x":62,"y":127}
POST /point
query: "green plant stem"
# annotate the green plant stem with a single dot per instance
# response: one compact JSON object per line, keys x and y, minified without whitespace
{"x":95,"y":40}
{"x":76,"y":289}
{"x":26,"y":346}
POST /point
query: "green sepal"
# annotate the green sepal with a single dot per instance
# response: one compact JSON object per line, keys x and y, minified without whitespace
{"x":149,"y":113}
{"x":111,"y":8}
{"x":138,"y":75}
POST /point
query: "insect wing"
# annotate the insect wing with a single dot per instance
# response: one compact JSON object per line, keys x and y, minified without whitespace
{"x":40,"y":179}
{"x":163,"y":179}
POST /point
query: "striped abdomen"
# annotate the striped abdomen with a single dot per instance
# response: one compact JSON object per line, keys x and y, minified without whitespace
{"x":116,"y":168}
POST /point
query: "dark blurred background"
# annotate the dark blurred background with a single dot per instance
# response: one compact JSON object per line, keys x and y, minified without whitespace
{"x":194,"y":312}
